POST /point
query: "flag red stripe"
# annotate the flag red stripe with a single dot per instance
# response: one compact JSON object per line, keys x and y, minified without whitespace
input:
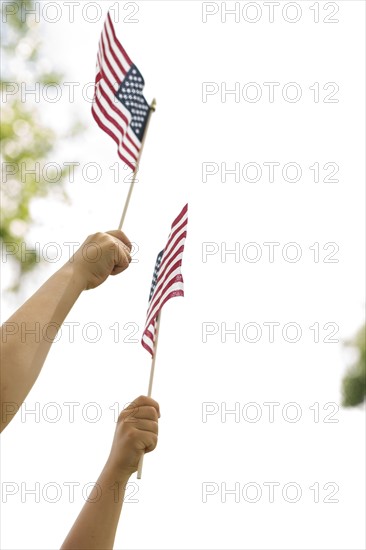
{"x":160,"y":284}
{"x":107,"y":62}
{"x":167,"y":249}
{"x":176,"y":279}
{"x":119,"y":113}
{"x":113,"y":107}
{"x":108,"y":131}
{"x":160,"y":292}
{"x":117,"y":126}
{"x":117,"y":61}
{"x":117,"y":42}
{"x":167,"y":254}
{"x":181,"y":215}
{"x":115,"y":123}
{"x":148,"y":348}
{"x":150,"y":336}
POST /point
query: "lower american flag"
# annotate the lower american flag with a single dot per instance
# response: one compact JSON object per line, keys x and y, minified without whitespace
{"x":119,"y":106}
{"x":167,"y":279}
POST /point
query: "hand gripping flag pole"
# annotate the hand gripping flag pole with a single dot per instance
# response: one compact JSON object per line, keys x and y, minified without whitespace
{"x":167,"y":283}
{"x":119,"y":106}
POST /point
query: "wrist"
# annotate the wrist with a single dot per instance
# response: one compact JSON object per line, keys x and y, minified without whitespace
{"x":117,"y":474}
{"x":75,"y":276}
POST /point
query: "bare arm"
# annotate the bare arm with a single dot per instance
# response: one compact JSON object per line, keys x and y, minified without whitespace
{"x":28,"y":335}
{"x":136,"y":433}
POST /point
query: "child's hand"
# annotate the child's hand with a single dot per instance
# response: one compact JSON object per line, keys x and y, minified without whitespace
{"x":101,"y":255}
{"x":136,"y":433}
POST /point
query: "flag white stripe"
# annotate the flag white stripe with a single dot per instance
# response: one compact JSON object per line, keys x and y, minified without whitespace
{"x":164,"y":291}
{"x":121,"y":122}
{"x":176,"y":286}
{"x":157,"y":297}
{"x":120,"y":107}
{"x":177,"y":243}
{"x":169,"y":252}
{"x":174,"y":243}
{"x":109,"y":57}
{"x":122,"y":111}
{"x":114,"y":131}
{"x":146,"y":338}
{"x":105,"y":121}
{"x":124,"y":62}
{"x":131,"y":142}
{"x":148,"y":341}
{"x":110,"y":78}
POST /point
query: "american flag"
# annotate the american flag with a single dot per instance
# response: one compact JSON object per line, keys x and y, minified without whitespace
{"x":167,"y":279}
{"x":119,"y":106}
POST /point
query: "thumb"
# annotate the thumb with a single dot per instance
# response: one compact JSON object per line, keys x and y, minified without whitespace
{"x":121,"y":237}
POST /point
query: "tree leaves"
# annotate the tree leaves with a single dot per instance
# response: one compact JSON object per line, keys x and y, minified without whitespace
{"x":26,"y":141}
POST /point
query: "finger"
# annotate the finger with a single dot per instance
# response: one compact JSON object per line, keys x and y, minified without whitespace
{"x":144,"y":425}
{"x":122,"y":264}
{"x":122,"y":257}
{"x":151,"y":443}
{"x":145,"y":412}
{"x":149,"y":440}
{"x":123,"y":249}
{"x":121,"y":237}
{"x":144,"y":400}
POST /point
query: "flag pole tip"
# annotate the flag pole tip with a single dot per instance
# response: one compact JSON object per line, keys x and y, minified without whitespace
{"x":153,"y":105}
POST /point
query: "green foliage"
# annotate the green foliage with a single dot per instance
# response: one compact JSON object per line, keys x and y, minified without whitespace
{"x":354,"y":383}
{"x":25,"y":138}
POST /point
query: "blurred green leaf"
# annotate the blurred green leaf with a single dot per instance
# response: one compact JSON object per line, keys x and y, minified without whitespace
{"x":354,"y":382}
{"x":25,"y":139}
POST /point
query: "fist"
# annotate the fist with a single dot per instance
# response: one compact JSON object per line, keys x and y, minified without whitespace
{"x":101,"y":255}
{"x":136,"y":433}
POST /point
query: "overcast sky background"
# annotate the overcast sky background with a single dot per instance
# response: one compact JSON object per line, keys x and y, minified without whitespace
{"x":177,"y":52}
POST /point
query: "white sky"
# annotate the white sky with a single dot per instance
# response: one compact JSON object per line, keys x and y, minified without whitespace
{"x":176,"y":52}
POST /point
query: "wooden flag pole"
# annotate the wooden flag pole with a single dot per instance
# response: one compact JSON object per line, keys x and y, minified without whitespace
{"x":152,"y":110}
{"x":152,"y":371}
{"x":149,"y":391}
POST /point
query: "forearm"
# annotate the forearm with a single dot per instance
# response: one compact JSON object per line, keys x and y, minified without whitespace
{"x":95,"y":528}
{"x":28,"y":335}
{"x":136,"y":432}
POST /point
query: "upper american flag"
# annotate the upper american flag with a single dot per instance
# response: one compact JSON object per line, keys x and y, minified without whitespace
{"x":119,"y":106}
{"x":167,"y":279}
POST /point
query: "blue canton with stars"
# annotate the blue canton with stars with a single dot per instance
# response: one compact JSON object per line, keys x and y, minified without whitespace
{"x":156,"y":273}
{"x":130,"y":95}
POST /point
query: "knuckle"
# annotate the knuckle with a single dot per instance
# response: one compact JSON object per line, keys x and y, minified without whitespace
{"x":130,"y":436}
{"x":128,"y":413}
{"x":153,"y":412}
{"x":123,"y":415}
{"x":96,"y":236}
{"x":142,"y":399}
{"x":131,"y":432}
